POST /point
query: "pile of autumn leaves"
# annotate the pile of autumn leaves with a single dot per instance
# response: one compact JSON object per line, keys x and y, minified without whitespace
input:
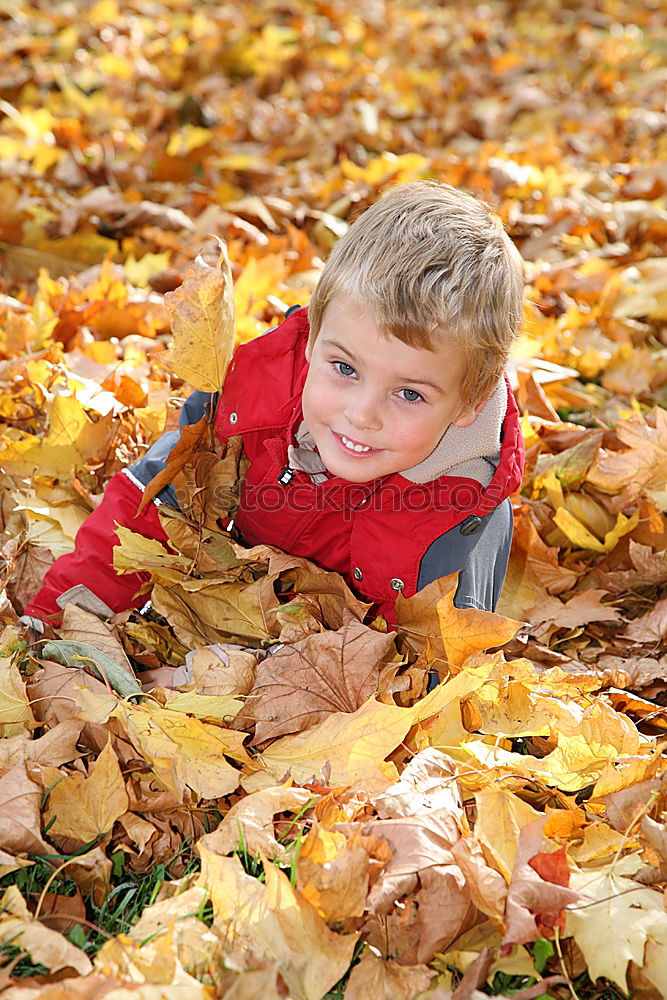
{"x":343,"y":816}
{"x":377,"y":813}
{"x":437,"y":830}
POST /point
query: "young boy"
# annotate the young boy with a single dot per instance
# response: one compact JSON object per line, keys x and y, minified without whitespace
{"x":381,"y":432}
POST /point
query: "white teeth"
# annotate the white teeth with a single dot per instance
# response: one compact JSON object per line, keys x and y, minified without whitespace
{"x":352,"y":446}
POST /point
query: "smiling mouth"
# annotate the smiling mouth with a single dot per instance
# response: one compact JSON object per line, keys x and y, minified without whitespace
{"x":354,"y":447}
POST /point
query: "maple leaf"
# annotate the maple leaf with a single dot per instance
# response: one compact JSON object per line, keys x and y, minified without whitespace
{"x":301,"y":684}
{"x":622,"y":912}
{"x":85,"y":808}
{"x":643,"y":465}
{"x":386,"y":980}
{"x":278,"y":923}
{"x":352,"y":746}
{"x":468,"y":631}
{"x":651,"y":627}
{"x":15,"y":714}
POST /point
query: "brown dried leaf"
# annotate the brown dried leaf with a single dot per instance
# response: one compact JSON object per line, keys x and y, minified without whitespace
{"x":651,"y":627}
{"x":533,"y":903}
{"x":381,"y":979}
{"x":191,"y":438}
{"x":274,"y":921}
{"x":82,"y":626}
{"x":423,"y":875}
{"x":301,"y":684}
{"x":20,"y":824}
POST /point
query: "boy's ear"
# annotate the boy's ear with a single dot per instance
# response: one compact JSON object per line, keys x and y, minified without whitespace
{"x":469,"y":416}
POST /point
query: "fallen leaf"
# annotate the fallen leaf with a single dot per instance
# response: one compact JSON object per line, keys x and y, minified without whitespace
{"x":501,"y":815}
{"x":201,"y":312}
{"x":183,"y":751}
{"x":643,"y":465}
{"x":434,"y":902}
{"x":651,"y":627}
{"x":535,"y":904}
{"x":43,"y":944}
{"x":333,"y":873}
{"x":299,"y":685}
{"x":250,"y":821}
{"x":469,"y":631}
{"x":84,"y":808}
{"x":351,"y":746}
{"x":82,"y":626}
{"x":15,"y":714}
{"x":20,"y":823}
{"x":419,"y":622}
{"x":617,"y":910}
{"x":276,"y":922}
{"x":385,"y":979}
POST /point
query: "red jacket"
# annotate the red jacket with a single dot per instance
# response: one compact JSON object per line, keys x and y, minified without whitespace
{"x":374,"y":534}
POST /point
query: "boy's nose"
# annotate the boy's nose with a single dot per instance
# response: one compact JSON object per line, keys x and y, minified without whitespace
{"x":364,"y":415}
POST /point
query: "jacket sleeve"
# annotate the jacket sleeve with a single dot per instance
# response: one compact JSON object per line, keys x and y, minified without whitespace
{"x":86,"y":576}
{"x":481,"y":555}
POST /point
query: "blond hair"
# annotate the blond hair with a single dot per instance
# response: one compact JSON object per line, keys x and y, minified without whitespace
{"x":429,"y":262}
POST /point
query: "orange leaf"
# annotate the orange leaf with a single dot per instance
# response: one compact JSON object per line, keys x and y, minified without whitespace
{"x":469,"y":631}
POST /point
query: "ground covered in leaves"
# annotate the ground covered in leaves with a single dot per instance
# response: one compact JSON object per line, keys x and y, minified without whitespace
{"x":315,"y":824}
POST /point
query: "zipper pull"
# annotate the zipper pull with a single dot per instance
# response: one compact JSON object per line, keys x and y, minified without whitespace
{"x":286,"y":476}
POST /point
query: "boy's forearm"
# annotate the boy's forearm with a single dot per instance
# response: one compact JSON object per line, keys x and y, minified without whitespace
{"x":90,"y":566}
{"x":91,"y":563}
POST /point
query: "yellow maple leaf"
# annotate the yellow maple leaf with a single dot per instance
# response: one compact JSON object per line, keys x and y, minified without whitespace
{"x":84,"y":808}
{"x":15,"y":714}
{"x":352,"y":746}
{"x":183,"y":751}
{"x":469,"y":631}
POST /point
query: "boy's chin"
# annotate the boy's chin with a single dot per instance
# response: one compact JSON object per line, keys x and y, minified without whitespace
{"x":354,"y":470}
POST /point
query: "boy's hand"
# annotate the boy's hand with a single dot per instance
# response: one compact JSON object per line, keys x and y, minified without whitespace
{"x":36,"y":629}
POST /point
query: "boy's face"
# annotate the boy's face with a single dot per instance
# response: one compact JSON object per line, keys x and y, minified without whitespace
{"x":373,"y":404}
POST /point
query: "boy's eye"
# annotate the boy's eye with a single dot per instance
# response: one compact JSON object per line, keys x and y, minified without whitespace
{"x":343,"y":368}
{"x":410,"y":395}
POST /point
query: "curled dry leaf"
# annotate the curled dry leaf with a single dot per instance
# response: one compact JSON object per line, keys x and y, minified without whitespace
{"x":250,"y":821}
